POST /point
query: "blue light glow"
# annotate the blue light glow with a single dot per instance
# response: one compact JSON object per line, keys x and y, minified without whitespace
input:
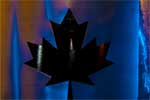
{"x":15,"y":59}
{"x":146,"y":74}
{"x":57,"y":91}
{"x":47,"y":7}
{"x":142,"y":41}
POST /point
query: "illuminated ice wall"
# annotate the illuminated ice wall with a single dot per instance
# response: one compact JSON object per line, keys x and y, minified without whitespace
{"x":144,"y":55}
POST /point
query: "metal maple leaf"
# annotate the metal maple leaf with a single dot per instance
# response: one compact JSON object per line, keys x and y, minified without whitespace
{"x":69,"y":61}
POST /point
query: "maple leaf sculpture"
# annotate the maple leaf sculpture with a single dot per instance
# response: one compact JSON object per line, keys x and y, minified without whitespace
{"x":69,"y":61}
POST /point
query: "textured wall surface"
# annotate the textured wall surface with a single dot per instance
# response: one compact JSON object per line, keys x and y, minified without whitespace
{"x":144,"y":39}
{"x":145,"y":8}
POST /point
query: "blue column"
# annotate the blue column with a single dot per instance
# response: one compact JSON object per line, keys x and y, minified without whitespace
{"x":15,"y":64}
